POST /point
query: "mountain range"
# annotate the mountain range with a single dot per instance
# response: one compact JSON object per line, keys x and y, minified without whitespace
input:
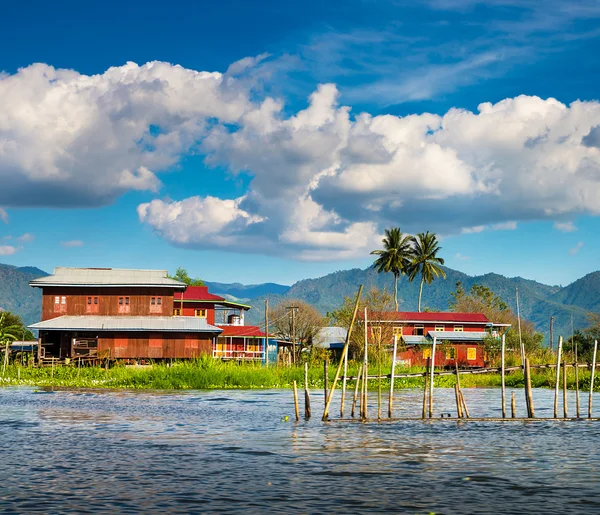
{"x":537,"y":301}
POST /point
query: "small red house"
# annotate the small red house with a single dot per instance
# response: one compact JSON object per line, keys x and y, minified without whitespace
{"x":459,"y":337}
{"x":236,"y":341}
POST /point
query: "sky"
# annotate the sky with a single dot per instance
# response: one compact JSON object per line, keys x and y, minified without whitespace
{"x":276,"y":141}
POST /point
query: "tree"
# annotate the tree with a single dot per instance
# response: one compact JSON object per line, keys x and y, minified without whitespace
{"x":425,"y":260}
{"x":181,"y":275}
{"x":8,"y":333}
{"x":395,"y":257}
{"x":295,"y":320}
{"x":13,"y":324}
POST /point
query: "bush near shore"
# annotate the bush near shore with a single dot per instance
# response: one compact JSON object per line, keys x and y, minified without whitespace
{"x":213,"y":374}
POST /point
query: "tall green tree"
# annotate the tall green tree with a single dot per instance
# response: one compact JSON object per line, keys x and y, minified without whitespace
{"x":395,"y":257}
{"x":425,"y":260}
{"x":181,"y":274}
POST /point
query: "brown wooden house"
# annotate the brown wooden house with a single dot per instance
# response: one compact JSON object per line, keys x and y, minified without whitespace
{"x":128,"y":314}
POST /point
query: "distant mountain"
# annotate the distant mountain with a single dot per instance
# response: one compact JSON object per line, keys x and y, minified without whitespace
{"x":17,"y":296}
{"x":537,"y":301}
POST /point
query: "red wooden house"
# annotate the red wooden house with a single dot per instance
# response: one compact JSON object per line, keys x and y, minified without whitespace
{"x":459,"y":337}
{"x":128,"y":314}
{"x":236,"y":340}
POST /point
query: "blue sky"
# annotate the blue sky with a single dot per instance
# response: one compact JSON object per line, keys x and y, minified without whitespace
{"x":319,"y":125}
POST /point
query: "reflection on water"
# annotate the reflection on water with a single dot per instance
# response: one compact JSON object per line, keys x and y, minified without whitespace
{"x":230,"y":451}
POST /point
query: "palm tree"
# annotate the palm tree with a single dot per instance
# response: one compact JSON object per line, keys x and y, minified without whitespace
{"x":7,"y":335}
{"x":395,"y":256}
{"x":425,"y":260}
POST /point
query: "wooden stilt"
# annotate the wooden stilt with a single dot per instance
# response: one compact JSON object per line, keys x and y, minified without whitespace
{"x":365,"y":395}
{"x":577,"y":402}
{"x":530,"y":408}
{"x":513,"y":406}
{"x":464,"y":404}
{"x":459,"y":412}
{"x":379,"y":380}
{"x":431,"y":376}
{"x":356,"y":390}
{"x":565,"y":410}
{"x":345,"y":358}
{"x":558,"y":356}
{"x":503,"y":351}
{"x":307,"y":412}
{"x":391,"y":400}
{"x":325,"y":381}
{"x":425,"y":388}
{"x":296,"y":402}
{"x":592,"y":379}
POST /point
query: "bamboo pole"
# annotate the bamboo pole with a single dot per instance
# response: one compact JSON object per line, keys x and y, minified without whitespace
{"x":339,"y":368}
{"x":577,"y":402}
{"x":565,"y":410}
{"x":325,"y":381}
{"x":379,"y":380}
{"x":363,"y":392}
{"x":503,"y":352}
{"x":464,"y":404}
{"x":356,"y":387}
{"x":307,"y":412}
{"x":531,"y":410}
{"x":296,"y":402}
{"x":459,"y":412}
{"x":521,"y":346}
{"x":513,"y":405}
{"x":5,"y":358}
{"x":345,"y":358}
{"x":431,"y":376}
{"x":391,"y":400}
{"x":425,"y":388}
{"x":365,"y":383}
{"x":558,"y":356}
{"x":592,"y":379}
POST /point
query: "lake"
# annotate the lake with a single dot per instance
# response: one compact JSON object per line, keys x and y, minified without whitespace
{"x":81,"y":451}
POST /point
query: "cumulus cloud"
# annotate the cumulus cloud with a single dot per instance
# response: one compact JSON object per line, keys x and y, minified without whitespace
{"x":575,"y":250}
{"x":462,"y":257}
{"x":26,"y":238}
{"x":8,"y":250}
{"x":72,"y":243}
{"x":565,"y":226}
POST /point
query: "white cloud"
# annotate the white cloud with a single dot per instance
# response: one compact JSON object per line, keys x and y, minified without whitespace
{"x":565,"y":226}
{"x":575,"y":250}
{"x":72,"y":243}
{"x":8,"y":250}
{"x":472,"y":230}
{"x":505,"y":226}
{"x":26,"y":238}
{"x":3,"y":215}
{"x":461,"y":257}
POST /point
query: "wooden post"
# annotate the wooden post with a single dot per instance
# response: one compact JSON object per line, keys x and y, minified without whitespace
{"x":365,"y":384}
{"x":577,"y":403}
{"x":425,"y":388}
{"x":339,"y":368}
{"x":266,"y":331}
{"x":307,"y":412}
{"x":530,"y":408}
{"x":391,"y":400}
{"x":356,"y":387}
{"x":513,"y":406}
{"x":345,"y":358}
{"x":379,"y":379}
{"x":431,"y":376}
{"x":522,"y":347}
{"x":459,"y":412}
{"x":503,"y":351}
{"x":464,"y":404}
{"x":5,"y":358}
{"x":565,"y":410}
{"x":558,"y":356}
{"x":325,"y":380}
{"x":592,"y":379}
{"x":296,"y":402}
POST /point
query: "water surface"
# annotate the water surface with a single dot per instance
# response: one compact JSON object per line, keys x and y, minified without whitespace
{"x":76,"y":451}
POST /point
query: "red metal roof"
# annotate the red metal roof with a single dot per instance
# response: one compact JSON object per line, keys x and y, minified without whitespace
{"x":200,"y":293}
{"x":241,"y":330}
{"x":431,"y":316}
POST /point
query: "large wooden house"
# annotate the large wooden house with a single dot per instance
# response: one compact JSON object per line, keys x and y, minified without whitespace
{"x":236,"y":341}
{"x":459,"y":336}
{"x":116,"y":313}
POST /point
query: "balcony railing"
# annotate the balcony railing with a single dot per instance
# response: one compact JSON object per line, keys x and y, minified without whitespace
{"x":238,"y":354}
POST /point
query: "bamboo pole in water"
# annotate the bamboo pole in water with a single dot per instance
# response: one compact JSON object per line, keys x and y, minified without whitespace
{"x":431,"y":376}
{"x":363,"y":392}
{"x":296,"y":402}
{"x":379,"y":380}
{"x":530,"y":410}
{"x":425,"y":388}
{"x":325,"y":381}
{"x":503,"y":351}
{"x":464,"y":405}
{"x":459,"y":412}
{"x":577,"y":403}
{"x":592,"y":379}
{"x":345,"y":358}
{"x":307,"y":412}
{"x":5,"y":358}
{"x":391,"y":400}
{"x":558,"y":356}
{"x":513,"y":405}
{"x":565,"y":410}
{"x":346,"y":345}
{"x":364,"y":399}
{"x":356,"y":387}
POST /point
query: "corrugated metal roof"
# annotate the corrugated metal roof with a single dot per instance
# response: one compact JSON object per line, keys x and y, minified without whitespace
{"x":64,"y":276}
{"x":127,"y":323}
{"x":329,"y":337}
{"x":430,"y":316}
{"x":415,"y":339}
{"x":201,"y":294}
{"x":462,"y":336}
{"x":241,"y":330}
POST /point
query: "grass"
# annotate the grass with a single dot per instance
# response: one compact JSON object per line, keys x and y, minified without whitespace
{"x":207,"y":373}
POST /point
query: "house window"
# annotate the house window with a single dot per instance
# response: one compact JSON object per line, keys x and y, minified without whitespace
{"x":56,"y":300}
{"x":124,"y":305}
{"x":440,"y":328}
{"x":471,"y":353}
{"x":419,"y":330}
{"x":60,"y":304}
{"x":426,"y":352}
{"x":156,"y":305}
{"x":398,"y":331}
{"x":200,"y":313}
{"x":63,"y":300}
{"x":458,"y":328}
{"x":177,"y":312}
{"x":450,"y":353}
{"x":92,"y":305}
